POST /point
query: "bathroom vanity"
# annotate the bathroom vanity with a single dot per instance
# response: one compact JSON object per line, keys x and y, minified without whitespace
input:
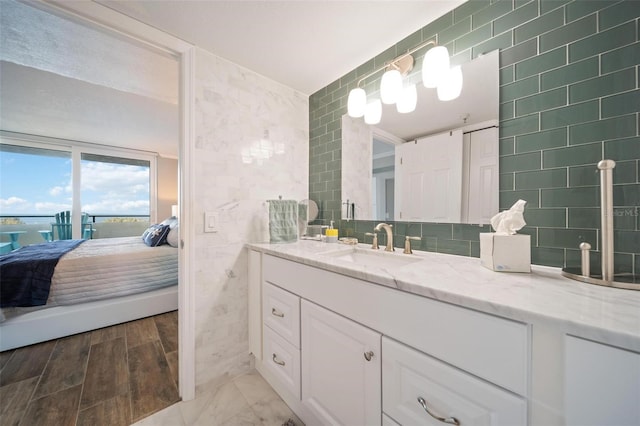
{"x":353,"y":336}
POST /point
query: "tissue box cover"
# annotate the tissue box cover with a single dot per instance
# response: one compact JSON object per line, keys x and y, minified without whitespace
{"x":505,"y":253}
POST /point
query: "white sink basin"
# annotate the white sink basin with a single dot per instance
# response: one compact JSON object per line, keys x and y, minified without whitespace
{"x":370,"y":257}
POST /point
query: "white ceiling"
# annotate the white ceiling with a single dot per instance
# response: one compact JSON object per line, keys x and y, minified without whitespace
{"x":302,"y":44}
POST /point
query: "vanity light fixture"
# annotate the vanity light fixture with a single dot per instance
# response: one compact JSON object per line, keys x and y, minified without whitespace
{"x":390,"y":86}
{"x":373,"y":112}
{"x":436,"y":71}
{"x":435,"y":66}
{"x":451,"y":86}
{"x":357,"y":102}
{"x":408,"y":99}
{"x":391,"y":82}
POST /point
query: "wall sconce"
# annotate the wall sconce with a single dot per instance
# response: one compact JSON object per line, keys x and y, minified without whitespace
{"x":436,"y":73}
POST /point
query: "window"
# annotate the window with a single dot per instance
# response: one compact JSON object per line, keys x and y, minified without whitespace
{"x":35,"y":181}
{"x":115,"y":187}
{"x":116,"y":190}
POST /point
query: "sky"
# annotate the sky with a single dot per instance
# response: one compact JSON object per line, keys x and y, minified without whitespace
{"x":37,"y":185}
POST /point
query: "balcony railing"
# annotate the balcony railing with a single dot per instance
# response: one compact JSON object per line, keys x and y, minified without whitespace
{"x":104,"y":228}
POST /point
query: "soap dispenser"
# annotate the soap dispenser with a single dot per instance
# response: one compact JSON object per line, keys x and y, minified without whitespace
{"x":331,"y":234}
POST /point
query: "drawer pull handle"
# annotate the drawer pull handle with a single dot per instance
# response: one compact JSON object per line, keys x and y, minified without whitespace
{"x":275,"y":359}
{"x":275,"y":312}
{"x":450,"y":420}
{"x":368,"y":355}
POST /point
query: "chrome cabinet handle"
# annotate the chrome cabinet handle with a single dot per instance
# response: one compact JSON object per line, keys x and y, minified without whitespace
{"x":450,"y":420}
{"x":276,"y":313}
{"x":368,"y":355}
{"x":275,"y":359}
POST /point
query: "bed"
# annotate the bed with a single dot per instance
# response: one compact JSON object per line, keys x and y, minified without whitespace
{"x":99,"y":283}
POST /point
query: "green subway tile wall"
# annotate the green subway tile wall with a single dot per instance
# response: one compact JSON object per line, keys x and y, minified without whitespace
{"x":569,"y":97}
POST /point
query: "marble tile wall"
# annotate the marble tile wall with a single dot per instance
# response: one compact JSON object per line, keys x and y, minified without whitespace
{"x":240,"y":118}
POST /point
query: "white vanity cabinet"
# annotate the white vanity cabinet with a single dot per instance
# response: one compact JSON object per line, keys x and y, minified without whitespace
{"x":602,"y":384}
{"x":342,"y":324}
{"x":365,"y":351}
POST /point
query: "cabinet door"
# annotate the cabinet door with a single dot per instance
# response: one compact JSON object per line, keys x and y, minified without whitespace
{"x":418,"y":389}
{"x":602,"y":384}
{"x":341,"y":383}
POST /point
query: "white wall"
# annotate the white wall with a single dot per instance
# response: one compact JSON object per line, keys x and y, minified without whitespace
{"x":167,"y":186}
{"x":234,"y":107}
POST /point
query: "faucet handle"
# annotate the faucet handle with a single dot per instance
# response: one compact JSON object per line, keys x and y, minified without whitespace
{"x":407,"y":244}
{"x":374,"y":244}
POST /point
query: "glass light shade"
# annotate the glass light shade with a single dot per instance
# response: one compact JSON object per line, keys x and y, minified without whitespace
{"x":390,"y":86}
{"x":373,"y":112}
{"x":408,"y":99}
{"x":435,"y":66}
{"x":451,"y":87}
{"x":356,"y":103}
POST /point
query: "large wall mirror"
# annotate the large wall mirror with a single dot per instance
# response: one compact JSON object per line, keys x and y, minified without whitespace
{"x":436,"y":164}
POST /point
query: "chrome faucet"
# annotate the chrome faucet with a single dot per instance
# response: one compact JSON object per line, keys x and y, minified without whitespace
{"x":379,"y":227}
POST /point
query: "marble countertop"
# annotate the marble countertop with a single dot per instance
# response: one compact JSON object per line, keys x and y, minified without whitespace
{"x":544,"y":296}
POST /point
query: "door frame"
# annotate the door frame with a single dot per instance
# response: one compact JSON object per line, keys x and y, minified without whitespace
{"x":116,"y":22}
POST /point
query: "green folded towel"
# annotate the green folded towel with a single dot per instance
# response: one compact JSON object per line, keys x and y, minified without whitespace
{"x":283,"y":221}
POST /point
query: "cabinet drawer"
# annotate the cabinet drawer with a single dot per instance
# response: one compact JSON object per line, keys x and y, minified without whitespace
{"x":281,"y":312}
{"x":282,"y":359}
{"x":446,"y":391}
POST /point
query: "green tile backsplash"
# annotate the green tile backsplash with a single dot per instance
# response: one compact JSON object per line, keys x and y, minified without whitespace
{"x":571,"y":73}
{"x":569,"y":97}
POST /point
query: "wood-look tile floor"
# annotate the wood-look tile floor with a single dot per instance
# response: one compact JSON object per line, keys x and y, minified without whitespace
{"x":113,"y":376}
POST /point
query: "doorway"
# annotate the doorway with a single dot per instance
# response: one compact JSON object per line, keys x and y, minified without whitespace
{"x":121,"y":28}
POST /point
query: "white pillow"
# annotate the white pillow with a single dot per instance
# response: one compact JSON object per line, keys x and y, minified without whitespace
{"x":171,"y":221}
{"x":172,"y":238}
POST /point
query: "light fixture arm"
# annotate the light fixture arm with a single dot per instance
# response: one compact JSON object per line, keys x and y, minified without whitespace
{"x":398,"y":59}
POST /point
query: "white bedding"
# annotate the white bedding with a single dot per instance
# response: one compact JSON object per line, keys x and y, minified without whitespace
{"x":107,"y":268}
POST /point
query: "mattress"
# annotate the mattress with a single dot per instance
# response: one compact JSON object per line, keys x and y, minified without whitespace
{"x":112,"y":267}
{"x":108,"y":268}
